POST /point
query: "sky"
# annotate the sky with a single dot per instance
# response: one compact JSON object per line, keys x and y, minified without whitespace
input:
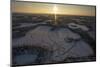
{"x":47,"y":8}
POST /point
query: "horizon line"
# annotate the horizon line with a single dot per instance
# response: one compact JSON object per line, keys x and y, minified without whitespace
{"x":53,"y":13}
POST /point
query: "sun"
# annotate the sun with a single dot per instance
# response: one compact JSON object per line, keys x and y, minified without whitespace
{"x":55,"y":9}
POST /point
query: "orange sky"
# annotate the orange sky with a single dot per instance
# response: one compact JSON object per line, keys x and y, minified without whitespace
{"x":29,"y":7}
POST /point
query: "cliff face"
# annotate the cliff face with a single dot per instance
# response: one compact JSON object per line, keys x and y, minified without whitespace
{"x":59,"y":44}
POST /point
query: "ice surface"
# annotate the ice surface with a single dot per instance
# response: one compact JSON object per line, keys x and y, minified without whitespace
{"x":61,"y":41}
{"x":77,"y":26}
{"x":26,"y":59}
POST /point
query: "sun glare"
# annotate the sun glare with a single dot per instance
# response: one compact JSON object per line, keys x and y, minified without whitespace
{"x":55,"y":9}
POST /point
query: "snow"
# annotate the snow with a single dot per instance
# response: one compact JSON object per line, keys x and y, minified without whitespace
{"x":25,"y":25}
{"x":77,"y":26}
{"x":61,"y":41}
